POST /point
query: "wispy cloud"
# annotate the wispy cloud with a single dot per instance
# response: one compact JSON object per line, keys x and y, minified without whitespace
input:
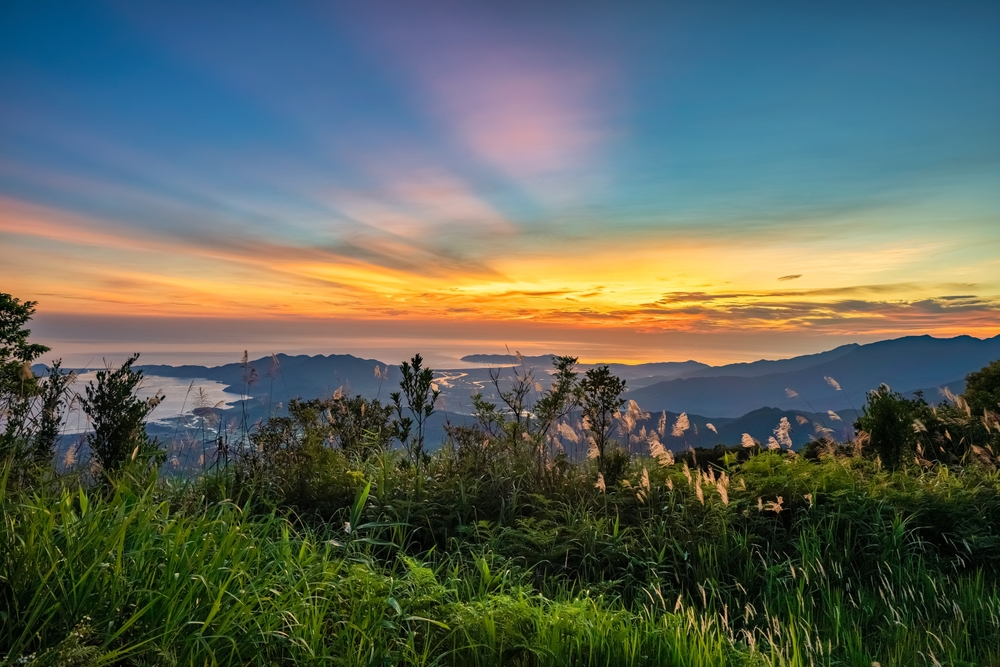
{"x":79,"y":262}
{"x":524,"y":106}
{"x":522,"y":117}
{"x":419,"y":203}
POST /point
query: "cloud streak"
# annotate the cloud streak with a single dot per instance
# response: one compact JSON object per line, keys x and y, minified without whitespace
{"x":525,"y":107}
{"x":74,"y":262}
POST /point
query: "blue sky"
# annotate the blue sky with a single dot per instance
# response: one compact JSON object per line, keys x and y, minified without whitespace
{"x":807,"y":173}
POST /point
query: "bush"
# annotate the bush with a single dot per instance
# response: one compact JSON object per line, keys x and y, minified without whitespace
{"x":118,"y":417}
{"x":31,"y":408}
{"x":982,"y":389}
{"x":887,"y":420}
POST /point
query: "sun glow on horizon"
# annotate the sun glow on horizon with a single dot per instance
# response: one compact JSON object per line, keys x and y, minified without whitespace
{"x":687,"y":285}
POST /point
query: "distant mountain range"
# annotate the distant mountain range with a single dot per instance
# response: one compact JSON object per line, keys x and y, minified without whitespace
{"x":759,"y":424}
{"x":905,"y":364}
{"x":740,"y":398}
{"x":910,"y":364}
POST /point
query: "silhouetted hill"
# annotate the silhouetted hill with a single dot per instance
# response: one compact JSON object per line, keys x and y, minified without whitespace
{"x":904,"y":364}
{"x":294,"y":376}
{"x":759,"y":423}
{"x":768,"y":367}
{"x":635,"y":374}
{"x":735,"y":395}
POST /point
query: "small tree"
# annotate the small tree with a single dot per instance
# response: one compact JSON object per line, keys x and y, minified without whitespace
{"x":520,"y":422}
{"x":361,"y":426}
{"x":417,"y":396}
{"x":562,"y":396}
{"x":118,"y":417}
{"x":31,"y":408}
{"x":982,"y":389}
{"x":601,"y":397}
{"x":517,"y":420}
{"x":18,"y":384}
{"x":52,"y":397}
{"x":15,"y":350}
{"x":887,"y":418}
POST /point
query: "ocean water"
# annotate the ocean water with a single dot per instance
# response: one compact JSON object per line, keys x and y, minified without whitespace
{"x":180,"y":396}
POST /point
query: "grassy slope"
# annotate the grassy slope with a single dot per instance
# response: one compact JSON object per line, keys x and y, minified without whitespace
{"x":857,"y":566}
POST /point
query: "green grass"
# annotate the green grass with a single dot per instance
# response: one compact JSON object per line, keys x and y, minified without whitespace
{"x":492,"y":567}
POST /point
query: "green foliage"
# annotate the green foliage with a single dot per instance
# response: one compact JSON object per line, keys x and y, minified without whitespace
{"x":982,"y":389}
{"x":15,"y":350}
{"x":362,"y":428}
{"x":562,"y":396}
{"x":293,"y":461}
{"x":950,"y":433}
{"x":149,"y":573}
{"x":520,"y":429}
{"x":887,"y":419}
{"x":31,"y":408}
{"x":305,"y":459}
{"x":53,"y":397}
{"x":18,"y":384}
{"x":118,"y":417}
{"x":601,"y":398}
{"x":417,"y":395}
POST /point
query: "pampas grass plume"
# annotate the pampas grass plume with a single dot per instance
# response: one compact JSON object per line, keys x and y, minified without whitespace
{"x":682,"y":424}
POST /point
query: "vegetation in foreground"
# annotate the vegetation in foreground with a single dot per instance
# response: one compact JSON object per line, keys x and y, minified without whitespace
{"x":315,"y":542}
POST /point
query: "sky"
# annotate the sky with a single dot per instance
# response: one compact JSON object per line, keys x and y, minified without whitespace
{"x":620,"y":181}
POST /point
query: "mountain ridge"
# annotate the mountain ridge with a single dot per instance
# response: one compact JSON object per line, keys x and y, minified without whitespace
{"x":905,"y":364}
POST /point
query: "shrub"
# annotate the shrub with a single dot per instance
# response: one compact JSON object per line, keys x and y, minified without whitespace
{"x":31,"y":408}
{"x":307,"y":460}
{"x":118,"y":417}
{"x":982,"y":389}
{"x":887,"y":419}
{"x":418,"y":394}
{"x":601,"y":398}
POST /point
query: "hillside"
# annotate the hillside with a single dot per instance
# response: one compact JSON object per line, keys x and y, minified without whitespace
{"x":735,"y":398}
{"x":905,"y":364}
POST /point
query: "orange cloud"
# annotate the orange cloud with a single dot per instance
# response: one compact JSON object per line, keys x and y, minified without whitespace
{"x":75,"y":263}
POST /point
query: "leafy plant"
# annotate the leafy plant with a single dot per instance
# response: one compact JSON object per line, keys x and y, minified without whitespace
{"x":417,"y":396}
{"x":18,"y":384}
{"x":601,"y":398}
{"x":982,"y":389}
{"x":361,"y":427}
{"x":31,"y":408}
{"x":118,"y":418}
{"x":887,"y":419}
{"x":52,"y":401}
